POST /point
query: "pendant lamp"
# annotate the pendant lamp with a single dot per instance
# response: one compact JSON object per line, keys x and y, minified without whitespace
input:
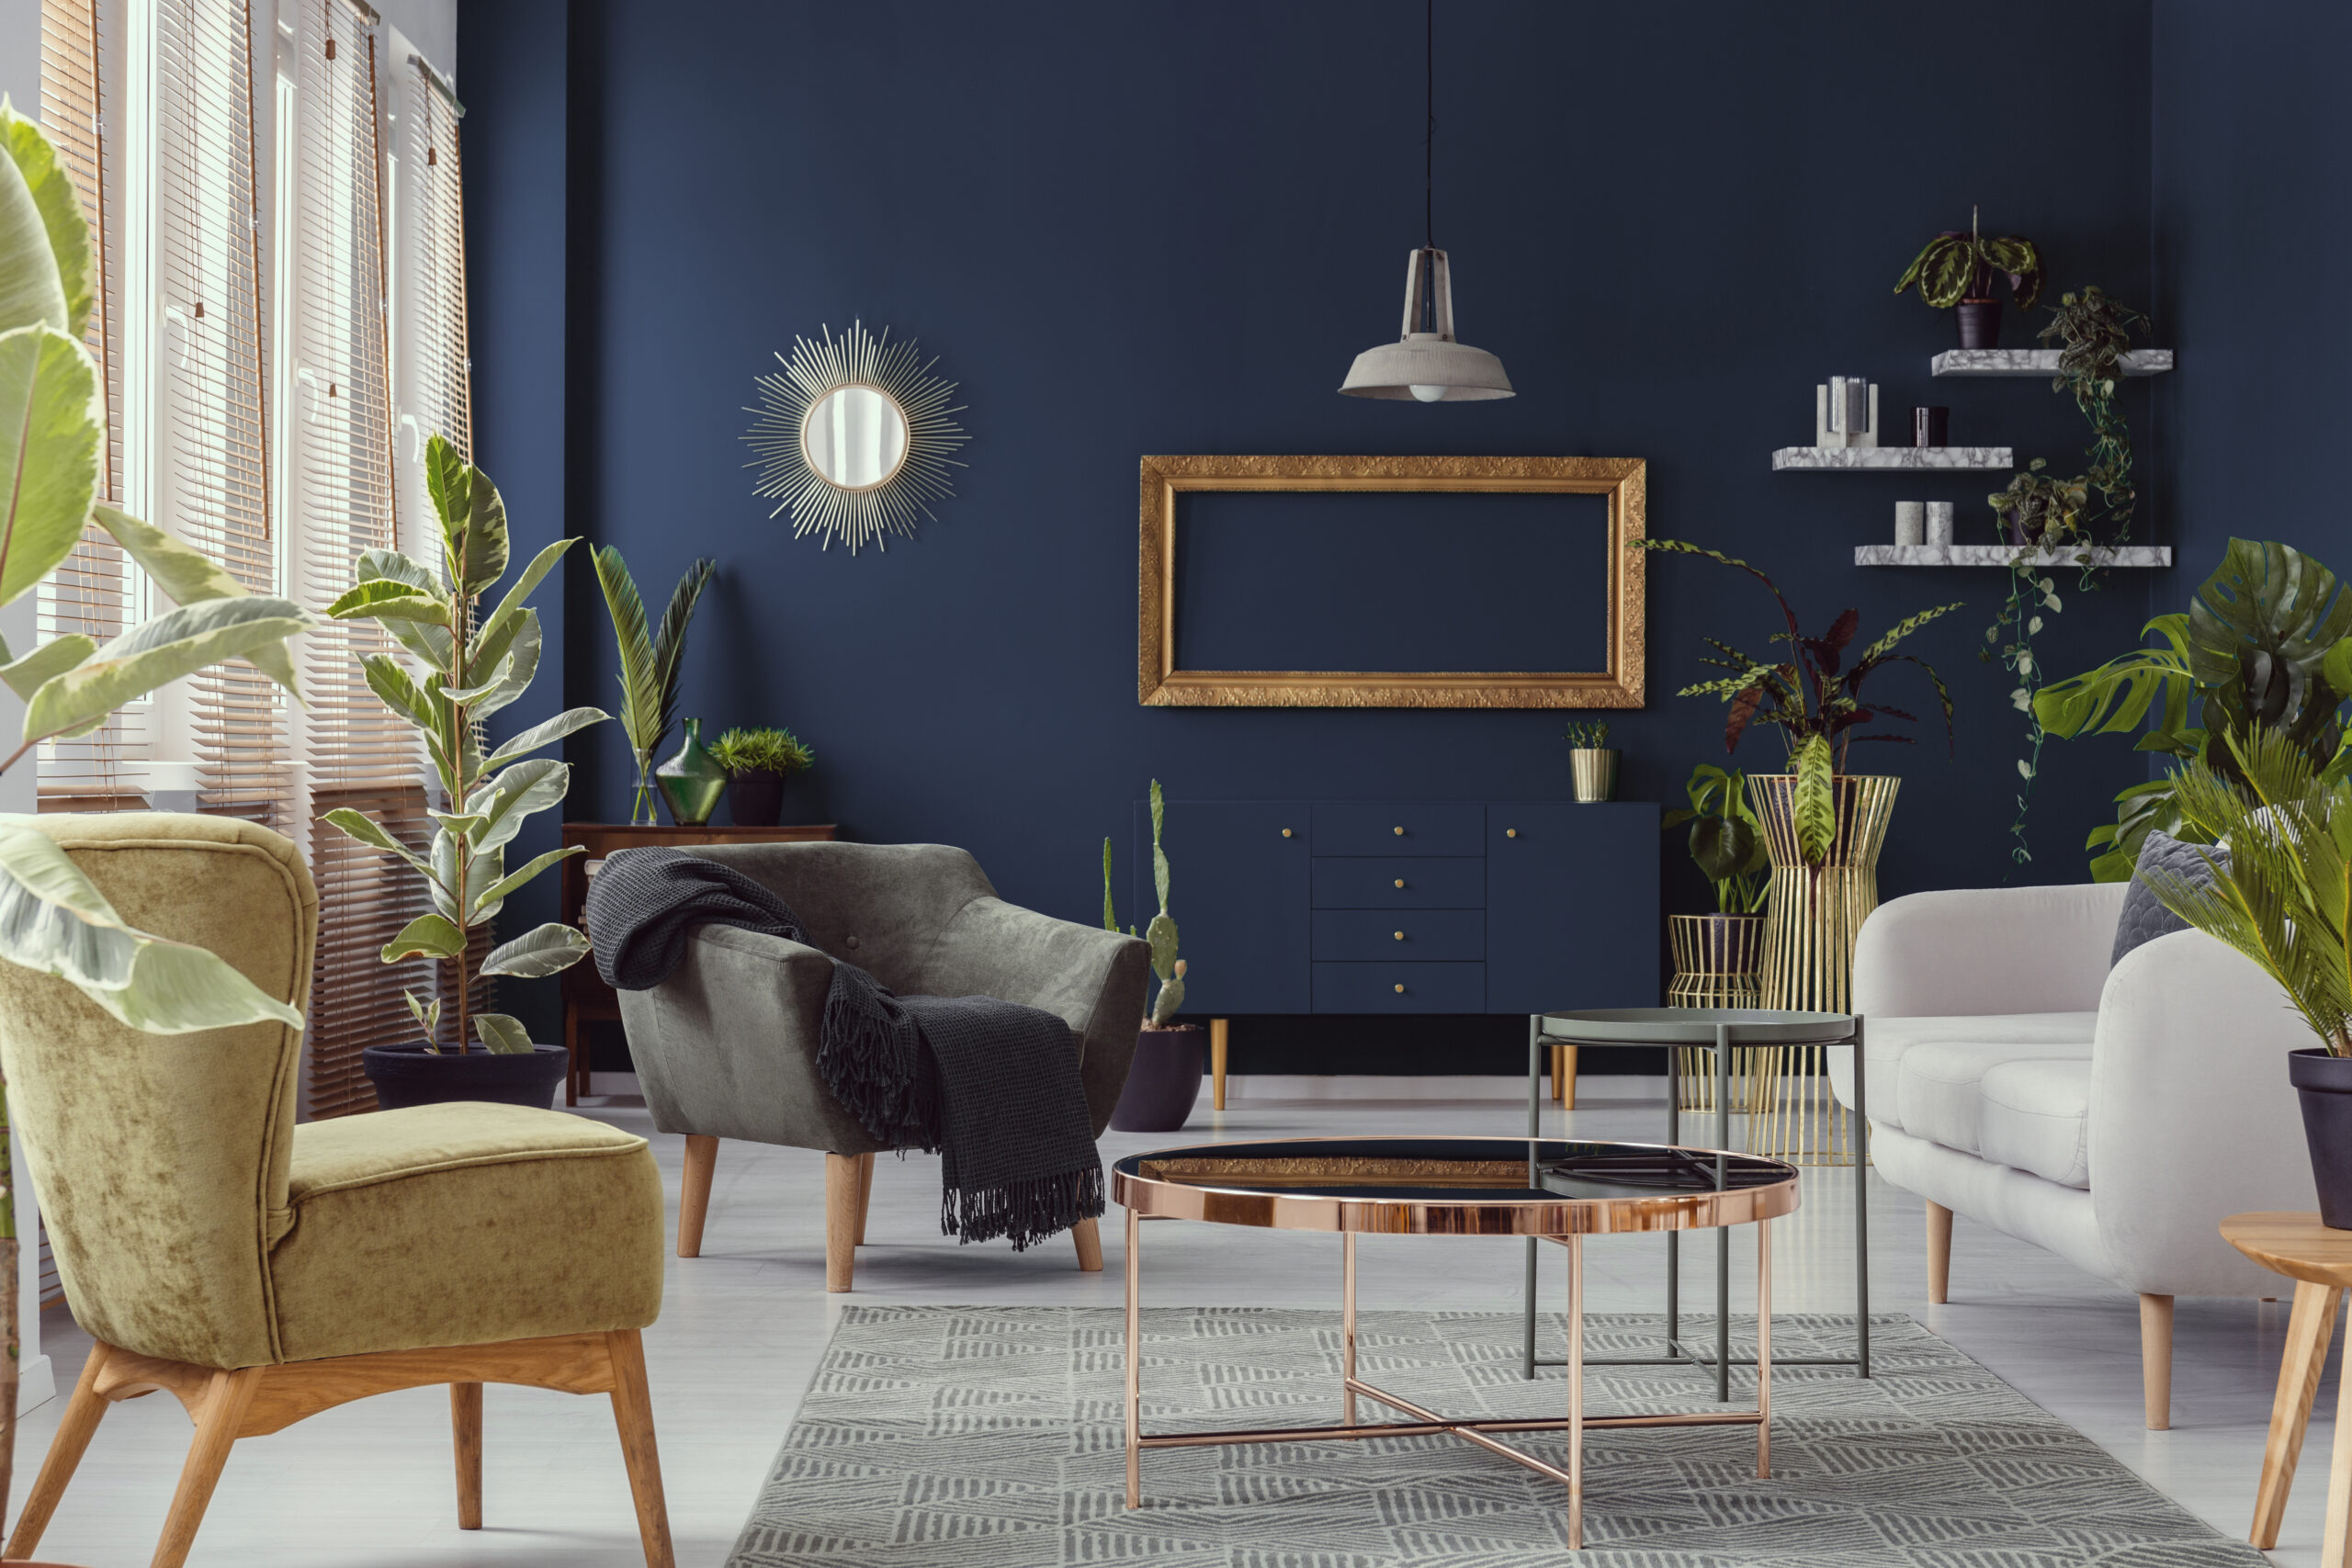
{"x":1426,"y":364}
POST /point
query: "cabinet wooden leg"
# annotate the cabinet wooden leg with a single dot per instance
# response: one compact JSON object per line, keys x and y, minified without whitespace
{"x":2310,"y":1326}
{"x":864,"y":1193}
{"x":465,"y":1428}
{"x":841,"y":1220}
{"x":1564,"y":1075}
{"x":81,"y":1420}
{"x":222,"y":1412}
{"x":633,"y":1414}
{"x":2155,"y":1360}
{"x":694,"y":1192}
{"x":574,"y":1079}
{"x":1218,"y":1028}
{"x":1089,"y":1238}
{"x":1939,"y":1252}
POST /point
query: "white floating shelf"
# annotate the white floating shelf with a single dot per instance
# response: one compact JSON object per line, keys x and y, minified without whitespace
{"x":1945,"y":459}
{"x":2037,"y":362}
{"x":2002,"y":555}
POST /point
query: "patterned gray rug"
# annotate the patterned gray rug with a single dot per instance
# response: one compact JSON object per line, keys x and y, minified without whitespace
{"x":953,"y":1436}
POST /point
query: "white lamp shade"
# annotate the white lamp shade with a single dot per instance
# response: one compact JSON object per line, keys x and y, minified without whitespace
{"x":1426,"y":359}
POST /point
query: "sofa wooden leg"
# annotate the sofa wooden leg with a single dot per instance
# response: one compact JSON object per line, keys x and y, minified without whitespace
{"x":1089,"y":1238}
{"x":864,"y":1193}
{"x":1939,"y":1252}
{"x":65,"y":1450}
{"x":465,"y":1430}
{"x":633,"y":1414}
{"x":219,"y":1417}
{"x":841,"y":1220}
{"x":694,"y":1192}
{"x":2156,"y":1360}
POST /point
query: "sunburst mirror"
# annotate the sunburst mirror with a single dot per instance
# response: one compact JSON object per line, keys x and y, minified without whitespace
{"x":854,"y":437}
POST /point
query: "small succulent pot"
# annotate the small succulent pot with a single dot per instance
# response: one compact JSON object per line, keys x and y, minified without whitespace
{"x":2324,"y":1083}
{"x":1979,"y":322}
{"x":1593,"y":770}
{"x":411,"y":1075}
{"x":1163,"y":1081}
{"x":691,"y":781}
{"x":756,"y":799}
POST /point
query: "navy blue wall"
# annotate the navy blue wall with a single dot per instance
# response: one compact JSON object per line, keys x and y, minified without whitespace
{"x":1128,"y":229}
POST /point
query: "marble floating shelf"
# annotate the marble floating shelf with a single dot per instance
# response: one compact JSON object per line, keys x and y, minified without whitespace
{"x":2037,"y":362}
{"x":2001,"y":555}
{"x":1947,"y":459}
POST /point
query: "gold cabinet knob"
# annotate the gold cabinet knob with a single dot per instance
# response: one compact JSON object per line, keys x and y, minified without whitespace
{"x":1398,"y":831}
{"x":1400,"y":989}
{"x":1400,"y":882}
{"x":1510,"y":832}
{"x":1286,"y":832}
{"x":1400,"y":936}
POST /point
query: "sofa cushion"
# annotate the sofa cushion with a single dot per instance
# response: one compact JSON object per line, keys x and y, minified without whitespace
{"x":2036,"y":1117}
{"x":2144,"y":916}
{"x":1939,"y":1089}
{"x":1889,"y":1040}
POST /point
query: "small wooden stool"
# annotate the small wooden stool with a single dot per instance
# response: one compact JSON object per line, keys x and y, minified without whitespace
{"x":2320,"y":1262}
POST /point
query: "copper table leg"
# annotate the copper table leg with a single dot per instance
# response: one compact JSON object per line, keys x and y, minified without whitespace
{"x":1134,"y":1363}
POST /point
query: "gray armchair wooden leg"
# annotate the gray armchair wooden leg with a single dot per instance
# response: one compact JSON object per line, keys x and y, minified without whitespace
{"x":1089,"y":1246}
{"x":841,"y":1186}
{"x":694,"y":1192}
{"x":864,"y":1193}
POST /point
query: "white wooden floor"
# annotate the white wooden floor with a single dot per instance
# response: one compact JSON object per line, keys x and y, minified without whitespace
{"x":742,"y":1327}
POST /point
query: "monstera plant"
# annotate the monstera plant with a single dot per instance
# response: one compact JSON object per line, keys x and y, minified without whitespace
{"x":2263,"y":646}
{"x":53,"y":469}
{"x":472,"y":666}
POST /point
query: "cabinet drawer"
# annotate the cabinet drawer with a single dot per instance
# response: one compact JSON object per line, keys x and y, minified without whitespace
{"x":1412,"y":935}
{"x":1400,"y":988}
{"x":1408,"y":828}
{"x":1399,"y":882}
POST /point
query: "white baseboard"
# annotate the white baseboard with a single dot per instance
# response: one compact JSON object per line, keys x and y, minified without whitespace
{"x":1590,"y":1087}
{"x":36,"y":1384}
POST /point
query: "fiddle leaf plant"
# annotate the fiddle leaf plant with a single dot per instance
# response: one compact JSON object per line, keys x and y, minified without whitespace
{"x":469,"y":666}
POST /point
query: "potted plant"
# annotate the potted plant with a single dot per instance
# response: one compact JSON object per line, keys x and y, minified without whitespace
{"x":651,"y":660}
{"x":470,"y":666}
{"x":1165,"y":1080}
{"x":52,"y":468}
{"x":1592,"y":765}
{"x":1716,"y":956}
{"x":1823,"y":828}
{"x":2276,"y":895}
{"x":759,"y":763}
{"x":1955,"y":271}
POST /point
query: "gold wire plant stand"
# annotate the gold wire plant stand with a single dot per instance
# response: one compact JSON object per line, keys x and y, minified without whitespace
{"x":1718,"y":963}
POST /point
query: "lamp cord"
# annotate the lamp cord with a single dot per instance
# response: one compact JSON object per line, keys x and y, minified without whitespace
{"x":1429,"y":132}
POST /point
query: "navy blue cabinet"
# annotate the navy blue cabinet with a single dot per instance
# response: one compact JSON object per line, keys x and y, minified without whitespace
{"x":1420,"y":906}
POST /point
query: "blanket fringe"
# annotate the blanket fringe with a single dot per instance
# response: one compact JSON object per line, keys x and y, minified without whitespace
{"x":1026,"y":1212}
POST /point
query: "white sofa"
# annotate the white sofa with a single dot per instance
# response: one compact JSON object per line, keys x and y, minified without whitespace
{"x":2112,"y":1116}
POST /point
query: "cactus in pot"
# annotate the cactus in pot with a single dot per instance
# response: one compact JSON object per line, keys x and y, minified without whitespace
{"x":1161,"y":932}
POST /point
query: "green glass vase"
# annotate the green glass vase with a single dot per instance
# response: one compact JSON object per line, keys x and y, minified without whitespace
{"x":692,"y":781}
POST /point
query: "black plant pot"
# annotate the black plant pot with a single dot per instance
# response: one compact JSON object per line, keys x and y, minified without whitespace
{"x":1163,"y":1081}
{"x":2324,"y":1083}
{"x":756,"y":799}
{"x":1979,"y":322}
{"x":410,"y":1074}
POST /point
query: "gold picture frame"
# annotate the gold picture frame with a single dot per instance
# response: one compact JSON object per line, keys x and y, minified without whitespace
{"x":1160,"y":683}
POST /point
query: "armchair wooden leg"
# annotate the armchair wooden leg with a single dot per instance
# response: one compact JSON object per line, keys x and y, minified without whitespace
{"x":65,"y":1450}
{"x":1089,"y":1238}
{"x":694,"y":1192}
{"x":219,"y":1418}
{"x":1218,"y":1033}
{"x":864,"y":1193}
{"x":633,"y":1414}
{"x":841,"y":1220}
{"x":1939,"y":1252}
{"x":465,"y":1428}
{"x":2156,"y":1360}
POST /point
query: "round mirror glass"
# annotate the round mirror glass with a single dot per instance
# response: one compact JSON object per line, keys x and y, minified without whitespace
{"x":855,"y":437}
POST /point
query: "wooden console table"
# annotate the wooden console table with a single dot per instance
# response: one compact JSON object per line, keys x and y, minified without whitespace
{"x":585,"y":996}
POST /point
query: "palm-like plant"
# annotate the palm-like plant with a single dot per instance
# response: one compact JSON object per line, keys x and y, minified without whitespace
{"x":471,"y":669}
{"x":1814,"y":694}
{"x":2283,"y":895}
{"x":650,"y":661}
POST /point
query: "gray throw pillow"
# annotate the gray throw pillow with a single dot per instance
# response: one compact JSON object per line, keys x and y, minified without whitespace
{"x":2144,"y":916}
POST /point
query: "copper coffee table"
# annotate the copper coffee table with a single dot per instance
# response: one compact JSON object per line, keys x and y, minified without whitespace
{"x":1556,"y":1189}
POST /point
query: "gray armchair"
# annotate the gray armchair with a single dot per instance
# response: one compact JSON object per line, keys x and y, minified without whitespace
{"x":727,"y":1047}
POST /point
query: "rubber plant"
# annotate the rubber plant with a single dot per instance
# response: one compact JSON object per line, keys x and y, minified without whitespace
{"x":1161,"y":932}
{"x":52,"y":472}
{"x":1726,"y":838}
{"x":470,"y":667}
{"x":651,"y":660}
{"x":2262,"y":647}
{"x":1813,"y":695}
{"x":1954,"y":266}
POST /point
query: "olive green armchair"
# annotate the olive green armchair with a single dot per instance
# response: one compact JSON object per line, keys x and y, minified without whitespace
{"x":260,"y":1271}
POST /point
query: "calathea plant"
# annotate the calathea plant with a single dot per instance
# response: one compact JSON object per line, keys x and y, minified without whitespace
{"x":470,"y":667}
{"x":1954,"y":266}
{"x":1161,"y":932}
{"x":1813,"y":695}
{"x":650,"y":659}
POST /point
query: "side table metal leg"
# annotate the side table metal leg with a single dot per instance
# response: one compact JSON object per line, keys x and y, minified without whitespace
{"x":1348,"y":1327}
{"x":1576,"y":1392}
{"x":1534,"y":1130}
{"x":1764,"y":1350}
{"x":1862,"y":1143}
{"x":1135,"y":1364}
{"x":1722,"y":1233}
{"x":1674,"y":1238}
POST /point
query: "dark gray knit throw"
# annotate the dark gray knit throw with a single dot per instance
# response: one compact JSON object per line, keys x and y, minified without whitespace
{"x":992,"y":1085}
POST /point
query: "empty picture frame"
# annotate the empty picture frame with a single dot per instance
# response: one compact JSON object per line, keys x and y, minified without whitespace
{"x":1347,"y":594}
